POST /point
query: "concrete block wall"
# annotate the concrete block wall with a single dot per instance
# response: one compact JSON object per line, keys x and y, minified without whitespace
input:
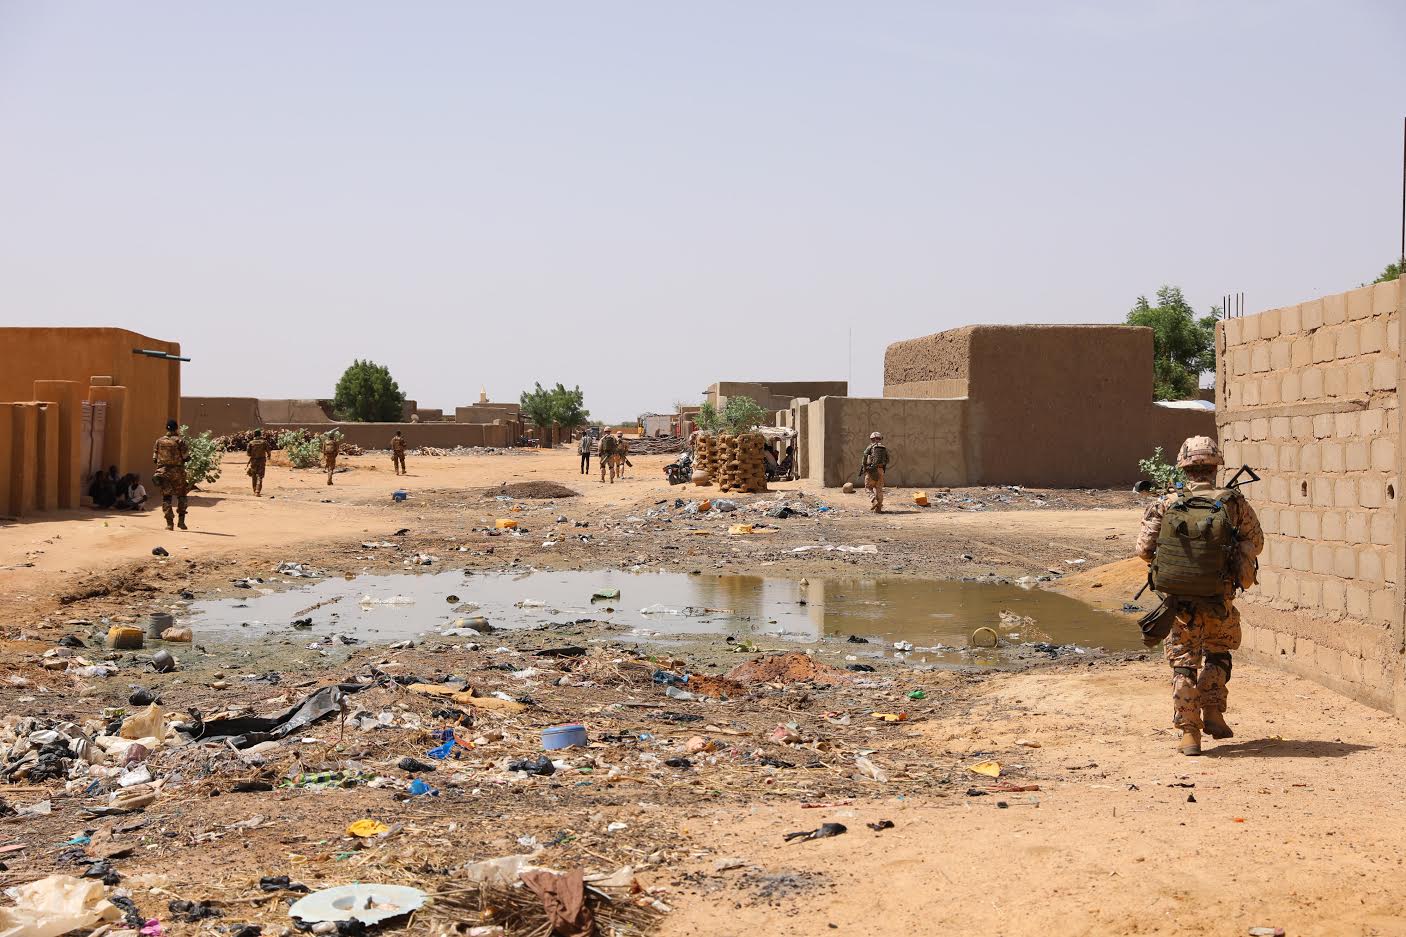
{"x":1308,"y":396}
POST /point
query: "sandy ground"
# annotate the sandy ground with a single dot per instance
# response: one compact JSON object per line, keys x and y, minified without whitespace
{"x":1296,"y":823}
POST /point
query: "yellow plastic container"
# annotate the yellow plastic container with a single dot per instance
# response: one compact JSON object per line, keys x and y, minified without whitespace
{"x":121,"y":638}
{"x":504,"y":523}
{"x":740,"y":529}
{"x":920,"y":498}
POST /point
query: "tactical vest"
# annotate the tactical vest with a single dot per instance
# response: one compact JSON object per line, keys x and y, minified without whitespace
{"x":1195,"y":546}
{"x":168,"y":451}
{"x":258,"y":450}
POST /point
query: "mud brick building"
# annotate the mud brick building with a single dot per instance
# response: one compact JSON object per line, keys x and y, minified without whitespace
{"x":1309,"y":396}
{"x":1038,"y":405}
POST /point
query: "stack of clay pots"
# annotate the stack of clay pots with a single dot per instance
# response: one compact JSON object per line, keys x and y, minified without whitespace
{"x":705,"y":459}
{"x":742,"y":465}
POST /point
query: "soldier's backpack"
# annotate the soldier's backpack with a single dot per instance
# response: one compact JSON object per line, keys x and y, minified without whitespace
{"x":1195,"y":546}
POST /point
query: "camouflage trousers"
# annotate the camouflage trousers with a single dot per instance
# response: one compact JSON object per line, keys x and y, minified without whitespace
{"x":1198,"y":650}
{"x":172,"y":482}
{"x":398,"y":462}
{"x":874,"y":481}
{"x":256,"y":471}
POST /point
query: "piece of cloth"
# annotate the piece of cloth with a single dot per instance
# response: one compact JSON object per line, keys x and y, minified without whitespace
{"x":1242,"y":515}
{"x":564,"y":900}
{"x":1200,"y":629}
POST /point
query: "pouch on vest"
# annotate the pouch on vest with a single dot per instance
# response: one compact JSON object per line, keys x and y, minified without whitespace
{"x":1157,"y":624}
{"x":1195,"y":547}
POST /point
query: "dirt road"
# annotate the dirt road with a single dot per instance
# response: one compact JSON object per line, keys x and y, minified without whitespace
{"x":1295,"y":823}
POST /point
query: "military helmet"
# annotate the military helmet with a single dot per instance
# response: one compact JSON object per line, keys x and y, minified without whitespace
{"x":172,"y":426}
{"x":258,"y":432}
{"x":876,"y":435}
{"x":1199,"y":450}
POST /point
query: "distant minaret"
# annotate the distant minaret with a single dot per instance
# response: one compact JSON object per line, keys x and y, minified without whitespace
{"x":482,"y":394}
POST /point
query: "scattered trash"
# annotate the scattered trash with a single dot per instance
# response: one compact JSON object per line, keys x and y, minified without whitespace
{"x":176,"y":635}
{"x":120,"y":638}
{"x":159,"y":551}
{"x":920,"y":498}
{"x":366,"y":903}
{"x":418,"y":788}
{"x":870,"y":770}
{"x":413,"y":765}
{"x":565,"y":736}
{"x":880,"y":826}
{"x":273,"y":883}
{"x":991,"y":769}
{"x":1266,"y":932}
{"x":917,"y":694}
{"x":903,"y":646}
{"x":163,"y":662}
{"x":367,"y":828}
{"x":541,"y":765}
{"x":821,"y":832}
{"x":983,"y":637}
{"x":601,"y":595}
{"x":55,"y":905}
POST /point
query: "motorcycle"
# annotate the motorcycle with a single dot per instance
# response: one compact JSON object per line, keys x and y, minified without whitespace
{"x":680,"y":472}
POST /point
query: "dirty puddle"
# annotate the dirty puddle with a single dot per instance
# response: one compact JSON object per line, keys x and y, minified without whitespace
{"x":936,"y":617}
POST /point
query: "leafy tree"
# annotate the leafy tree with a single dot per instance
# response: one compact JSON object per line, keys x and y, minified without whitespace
{"x":303,"y":450}
{"x":205,"y":455}
{"x":1183,"y":345}
{"x":742,"y":414}
{"x":555,"y":406}
{"x":1159,"y":471}
{"x":1393,"y":271}
{"x":709,"y":420}
{"x":367,"y":393}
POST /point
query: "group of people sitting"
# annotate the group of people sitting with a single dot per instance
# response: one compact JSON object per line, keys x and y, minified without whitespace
{"x":112,"y":492}
{"x":783,"y":468}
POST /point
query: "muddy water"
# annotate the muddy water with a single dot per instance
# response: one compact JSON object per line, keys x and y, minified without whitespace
{"x":937,"y":617}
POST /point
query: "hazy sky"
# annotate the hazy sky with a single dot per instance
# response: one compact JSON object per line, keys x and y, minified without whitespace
{"x":646,"y":197}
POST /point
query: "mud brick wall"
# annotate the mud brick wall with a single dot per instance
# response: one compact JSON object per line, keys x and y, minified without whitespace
{"x":1308,"y":396}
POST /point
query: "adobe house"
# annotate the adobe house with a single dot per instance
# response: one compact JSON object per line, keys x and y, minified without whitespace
{"x":1058,"y":406}
{"x":79,"y":399}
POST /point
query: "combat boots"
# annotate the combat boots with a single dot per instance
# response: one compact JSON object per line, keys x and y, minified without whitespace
{"x":1216,"y":727}
{"x":1190,"y":742}
{"x":169,"y":515}
{"x":181,"y":522}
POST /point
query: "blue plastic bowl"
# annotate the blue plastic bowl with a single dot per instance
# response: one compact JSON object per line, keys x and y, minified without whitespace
{"x":400,"y":495}
{"x":563,"y":736}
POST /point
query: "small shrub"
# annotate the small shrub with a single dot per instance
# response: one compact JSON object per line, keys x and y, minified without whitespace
{"x":302,"y":451}
{"x":1161,"y":473}
{"x":205,"y":455}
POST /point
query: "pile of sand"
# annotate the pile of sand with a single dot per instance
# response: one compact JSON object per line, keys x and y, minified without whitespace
{"x":538,"y":490}
{"x":787,"y":668}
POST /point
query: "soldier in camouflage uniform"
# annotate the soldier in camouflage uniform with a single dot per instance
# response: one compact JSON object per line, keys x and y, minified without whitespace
{"x":1205,"y":630}
{"x":876,"y":462}
{"x":331,"y":445}
{"x":170,"y":455}
{"x":622,"y":453}
{"x":258,"y":461}
{"x":606,"y":456}
{"x":398,"y":453}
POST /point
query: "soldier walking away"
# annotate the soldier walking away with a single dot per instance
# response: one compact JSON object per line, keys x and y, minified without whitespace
{"x":331,"y":445}
{"x":1200,"y":543}
{"x":876,"y":461}
{"x":606,"y":455}
{"x":258,"y":461}
{"x":398,"y":453}
{"x":170,"y":455}
{"x":584,"y":447}
{"x":622,"y":453}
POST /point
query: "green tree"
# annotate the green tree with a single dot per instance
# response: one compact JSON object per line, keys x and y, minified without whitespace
{"x":302,"y":449}
{"x":367,"y":393}
{"x":1183,"y":345}
{"x":709,"y":420}
{"x":555,"y":406}
{"x":205,"y":455}
{"x":1393,"y":271}
{"x":742,"y":414}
